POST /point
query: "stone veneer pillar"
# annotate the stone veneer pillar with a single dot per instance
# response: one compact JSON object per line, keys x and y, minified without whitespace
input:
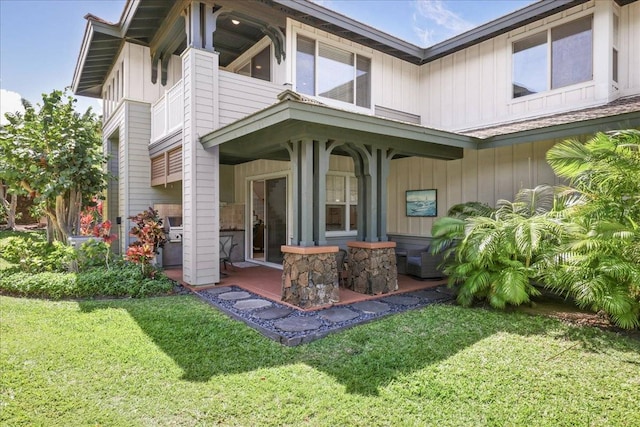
{"x":372,"y":267}
{"x":309,"y":276}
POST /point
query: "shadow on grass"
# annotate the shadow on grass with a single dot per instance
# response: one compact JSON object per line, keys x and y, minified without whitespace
{"x":201,"y":341}
{"x":206,"y":343}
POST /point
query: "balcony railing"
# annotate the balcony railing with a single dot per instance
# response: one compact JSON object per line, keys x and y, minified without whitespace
{"x":239,"y":96}
{"x":167,"y":113}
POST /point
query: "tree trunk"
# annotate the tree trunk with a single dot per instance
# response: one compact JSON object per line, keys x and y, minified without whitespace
{"x":10,"y":206}
{"x":66,"y":216}
{"x":11,"y":215}
{"x":50,"y":232}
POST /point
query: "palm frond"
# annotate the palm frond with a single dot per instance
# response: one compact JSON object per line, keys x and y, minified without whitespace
{"x":568,"y":159}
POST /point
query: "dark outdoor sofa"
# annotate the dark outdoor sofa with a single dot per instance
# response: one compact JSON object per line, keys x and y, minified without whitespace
{"x":423,"y":264}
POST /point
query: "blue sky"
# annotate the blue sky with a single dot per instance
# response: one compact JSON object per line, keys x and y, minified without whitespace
{"x":40,"y":39}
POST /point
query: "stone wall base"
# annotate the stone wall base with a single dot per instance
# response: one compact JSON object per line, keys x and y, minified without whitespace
{"x":310,"y":276}
{"x":372,"y":267}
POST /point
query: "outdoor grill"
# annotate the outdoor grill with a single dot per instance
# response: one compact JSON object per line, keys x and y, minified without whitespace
{"x":173,"y":228}
{"x":172,"y":252}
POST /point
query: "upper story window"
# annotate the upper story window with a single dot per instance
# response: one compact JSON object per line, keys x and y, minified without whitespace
{"x":330,"y":72}
{"x":555,"y":58}
{"x":341,"y":203}
{"x":259,"y":67}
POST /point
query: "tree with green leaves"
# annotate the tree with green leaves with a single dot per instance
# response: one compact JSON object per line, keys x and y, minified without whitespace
{"x":53,"y":153}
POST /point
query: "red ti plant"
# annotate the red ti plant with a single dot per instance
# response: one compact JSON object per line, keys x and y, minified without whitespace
{"x":150,"y":236}
{"x":103,"y":231}
{"x":90,"y":216}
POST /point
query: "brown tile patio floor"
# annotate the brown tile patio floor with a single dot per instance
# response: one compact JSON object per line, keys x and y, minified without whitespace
{"x":267,"y":282}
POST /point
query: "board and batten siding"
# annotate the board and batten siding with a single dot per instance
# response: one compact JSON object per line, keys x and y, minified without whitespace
{"x":256,"y":168}
{"x":394,"y":82}
{"x":241,"y":96}
{"x":471,"y":88}
{"x":485,"y":175}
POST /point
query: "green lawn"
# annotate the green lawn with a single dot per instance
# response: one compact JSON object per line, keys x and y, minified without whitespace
{"x":177,"y":361}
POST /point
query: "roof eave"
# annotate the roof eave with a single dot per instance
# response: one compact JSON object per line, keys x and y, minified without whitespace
{"x":565,"y":130}
{"x":503,"y":24}
{"x":350,"y":24}
{"x":82,"y":57}
{"x":94,"y":25}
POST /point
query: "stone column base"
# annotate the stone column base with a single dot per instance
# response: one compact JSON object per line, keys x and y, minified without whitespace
{"x":372,"y":267}
{"x":309,"y":276}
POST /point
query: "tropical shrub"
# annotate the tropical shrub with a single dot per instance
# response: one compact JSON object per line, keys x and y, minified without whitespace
{"x":124,"y":281}
{"x":599,"y":263}
{"x":150,"y":236}
{"x":35,"y":256}
{"x":494,"y":257}
{"x":581,"y":241}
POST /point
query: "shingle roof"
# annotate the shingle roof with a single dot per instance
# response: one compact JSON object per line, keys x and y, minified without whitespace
{"x":619,"y":106}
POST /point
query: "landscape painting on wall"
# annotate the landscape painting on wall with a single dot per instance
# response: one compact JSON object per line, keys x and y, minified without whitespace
{"x":422,"y":203}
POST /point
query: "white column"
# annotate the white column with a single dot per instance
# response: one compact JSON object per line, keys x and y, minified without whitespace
{"x":603,"y":50}
{"x":200,"y":184}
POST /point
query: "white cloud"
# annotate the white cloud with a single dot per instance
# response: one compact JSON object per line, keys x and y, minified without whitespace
{"x":10,"y":102}
{"x":433,"y":22}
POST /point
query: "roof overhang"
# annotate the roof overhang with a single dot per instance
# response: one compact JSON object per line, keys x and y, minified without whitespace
{"x":566,"y":130}
{"x":141,"y":19}
{"x":264,"y":135}
{"x":100,"y":46}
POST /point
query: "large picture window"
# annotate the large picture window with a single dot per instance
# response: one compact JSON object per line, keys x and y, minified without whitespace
{"x":330,"y":72}
{"x":341,"y":203}
{"x":558,"y":57}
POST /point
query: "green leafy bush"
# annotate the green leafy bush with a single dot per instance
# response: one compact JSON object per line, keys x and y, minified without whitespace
{"x":35,"y":256}
{"x":494,"y":256}
{"x":125,"y":280}
{"x":91,"y":254}
{"x":581,"y":241}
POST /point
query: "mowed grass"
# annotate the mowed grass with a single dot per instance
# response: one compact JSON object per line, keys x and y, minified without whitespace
{"x":176,"y":361}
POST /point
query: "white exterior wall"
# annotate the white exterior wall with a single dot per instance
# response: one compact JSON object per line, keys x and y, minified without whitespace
{"x":241,"y":96}
{"x":394,"y":83}
{"x":130,"y":78}
{"x":471,"y":88}
{"x":629,"y":55}
{"x":200,"y":189}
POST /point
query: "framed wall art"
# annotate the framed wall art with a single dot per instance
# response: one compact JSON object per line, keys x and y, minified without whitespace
{"x":422,"y":202}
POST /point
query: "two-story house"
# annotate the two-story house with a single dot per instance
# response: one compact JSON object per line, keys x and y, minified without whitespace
{"x":306,"y":128}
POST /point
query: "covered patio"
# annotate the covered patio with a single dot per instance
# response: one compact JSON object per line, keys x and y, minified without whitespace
{"x":306,"y":134}
{"x":267,"y":282}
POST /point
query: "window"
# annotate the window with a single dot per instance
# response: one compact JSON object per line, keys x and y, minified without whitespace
{"x":341,"y":203}
{"x":334,"y":73}
{"x":558,"y":57}
{"x":259,"y":67}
